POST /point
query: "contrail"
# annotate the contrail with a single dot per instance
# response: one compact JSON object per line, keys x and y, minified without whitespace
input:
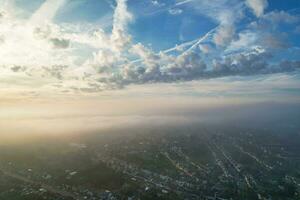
{"x":170,"y":7}
{"x":180,"y":46}
{"x":200,"y":40}
{"x":193,"y":43}
{"x":183,"y":2}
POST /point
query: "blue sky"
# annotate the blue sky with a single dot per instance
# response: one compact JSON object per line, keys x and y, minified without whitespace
{"x":91,"y":46}
{"x":156,"y":25}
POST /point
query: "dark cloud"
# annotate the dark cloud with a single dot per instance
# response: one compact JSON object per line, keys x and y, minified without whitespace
{"x":2,"y":39}
{"x":251,"y":64}
{"x":55,"y":71}
{"x":16,"y":68}
{"x":60,"y":43}
{"x":191,"y":66}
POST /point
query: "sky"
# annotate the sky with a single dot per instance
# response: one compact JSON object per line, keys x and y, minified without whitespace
{"x":109,"y":57}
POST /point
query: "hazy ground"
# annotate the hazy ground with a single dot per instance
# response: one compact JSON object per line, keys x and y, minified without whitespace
{"x":240,"y":152}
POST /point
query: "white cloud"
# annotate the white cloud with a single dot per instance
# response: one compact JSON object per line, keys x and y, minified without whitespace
{"x":205,"y":48}
{"x":277,"y":17}
{"x":23,"y":46}
{"x":122,"y":17}
{"x":224,"y":34}
{"x":47,"y":11}
{"x":157,"y":3}
{"x":257,"y":6}
{"x":115,"y":43}
{"x":246,"y":40}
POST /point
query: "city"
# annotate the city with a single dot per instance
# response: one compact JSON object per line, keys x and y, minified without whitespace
{"x":198,"y":162}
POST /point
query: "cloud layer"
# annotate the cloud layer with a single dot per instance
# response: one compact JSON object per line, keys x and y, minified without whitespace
{"x":75,"y":57}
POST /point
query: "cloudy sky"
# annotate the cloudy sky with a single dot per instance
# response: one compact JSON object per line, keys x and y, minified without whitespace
{"x":127,"y":52}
